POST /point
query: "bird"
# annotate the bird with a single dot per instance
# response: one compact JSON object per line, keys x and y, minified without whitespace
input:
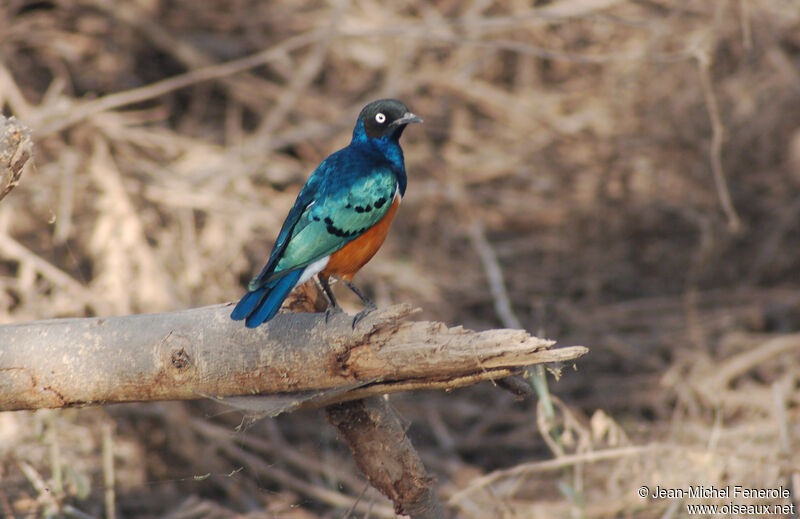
{"x":340,"y":217}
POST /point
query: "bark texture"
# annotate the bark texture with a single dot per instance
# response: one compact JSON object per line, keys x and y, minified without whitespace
{"x":385,"y":455}
{"x":15,"y":150}
{"x":303,"y":358}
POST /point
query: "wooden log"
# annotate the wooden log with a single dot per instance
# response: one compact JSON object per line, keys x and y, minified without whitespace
{"x":202,"y":353}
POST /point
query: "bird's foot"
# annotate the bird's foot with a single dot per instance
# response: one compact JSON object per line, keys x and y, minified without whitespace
{"x":331,"y":311}
{"x":368,"y":309}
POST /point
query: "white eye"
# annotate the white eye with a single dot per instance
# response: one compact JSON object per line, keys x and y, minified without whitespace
{"x":380,"y":118}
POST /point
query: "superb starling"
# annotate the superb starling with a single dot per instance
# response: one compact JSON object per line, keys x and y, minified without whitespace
{"x":340,"y":217}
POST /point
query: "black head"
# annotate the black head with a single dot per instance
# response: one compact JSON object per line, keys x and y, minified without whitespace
{"x":386,"y":118}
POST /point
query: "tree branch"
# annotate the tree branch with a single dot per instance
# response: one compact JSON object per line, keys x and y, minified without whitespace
{"x":297,"y":360}
{"x":201,"y":353}
{"x":376,"y":437}
{"x":15,"y":150}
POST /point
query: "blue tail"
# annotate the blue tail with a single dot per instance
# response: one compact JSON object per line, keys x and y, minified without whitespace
{"x":261,"y":305}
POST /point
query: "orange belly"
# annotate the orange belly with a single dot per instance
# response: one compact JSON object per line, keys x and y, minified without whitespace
{"x":345,"y":262}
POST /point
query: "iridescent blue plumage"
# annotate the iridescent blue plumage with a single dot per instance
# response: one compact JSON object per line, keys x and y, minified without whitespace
{"x":349,"y":193}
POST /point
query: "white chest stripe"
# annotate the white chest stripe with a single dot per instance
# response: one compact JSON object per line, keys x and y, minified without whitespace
{"x":312,"y":270}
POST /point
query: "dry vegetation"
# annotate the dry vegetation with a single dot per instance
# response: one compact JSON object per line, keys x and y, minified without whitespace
{"x":631,"y":168}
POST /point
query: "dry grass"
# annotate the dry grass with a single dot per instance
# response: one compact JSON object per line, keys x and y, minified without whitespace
{"x":629,"y":169}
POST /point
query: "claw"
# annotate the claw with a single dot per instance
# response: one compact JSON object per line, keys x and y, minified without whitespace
{"x":331,"y":311}
{"x":368,"y":309}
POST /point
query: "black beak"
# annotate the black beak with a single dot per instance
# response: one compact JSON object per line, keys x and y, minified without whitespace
{"x":407,"y":118}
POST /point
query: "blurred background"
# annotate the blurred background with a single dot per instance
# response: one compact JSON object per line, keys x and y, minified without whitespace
{"x":618,"y":174}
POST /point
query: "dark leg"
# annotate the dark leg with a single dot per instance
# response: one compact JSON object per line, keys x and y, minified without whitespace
{"x":323,"y":281}
{"x":327,"y":289}
{"x":369,"y":306}
{"x":364,"y":299}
